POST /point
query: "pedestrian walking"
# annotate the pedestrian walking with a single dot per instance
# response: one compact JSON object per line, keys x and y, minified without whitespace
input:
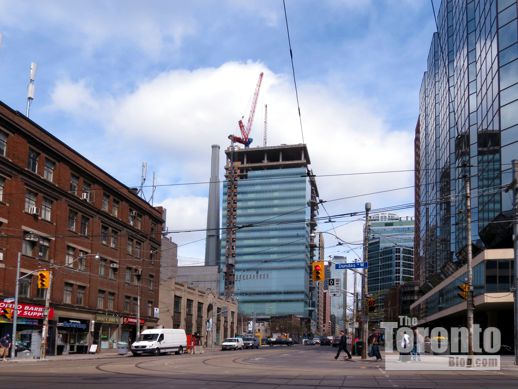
{"x":342,"y":346}
{"x":418,"y":345}
{"x":5,"y":346}
{"x":375,"y":344}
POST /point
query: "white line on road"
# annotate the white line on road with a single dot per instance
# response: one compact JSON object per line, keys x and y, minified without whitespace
{"x":387,"y":377}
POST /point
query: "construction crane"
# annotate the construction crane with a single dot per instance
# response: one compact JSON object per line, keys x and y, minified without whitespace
{"x":245,"y":131}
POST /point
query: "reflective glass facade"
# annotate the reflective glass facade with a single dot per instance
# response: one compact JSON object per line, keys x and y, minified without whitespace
{"x":272,"y":240}
{"x":468,"y":126}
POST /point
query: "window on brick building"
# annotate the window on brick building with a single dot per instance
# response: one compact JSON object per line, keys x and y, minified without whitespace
{"x":111,"y":301}
{"x":138,"y":249}
{"x":129,"y":246}
{"x":114,"y":241}
{"x":127,"y":303}
{"x":150,"y":308}
{"x":72,"y":220}
{"x":100,"y":299}
{"x":80,"y":295}
{"x":104,"y":234}
{"x":67,"y":293}
{"x":3,"y":143}
{"x":32,"y":162}
{"x":48,"y":171}
{"x":46,"y":209}
{"x":106,"y":202}
{"x":115,"y":207}
{"x":102,"y":267}
{"x":85,"y":221}
{"x":2,"y":184}
{"x":74,"y":184}
{"x":30,"y":200}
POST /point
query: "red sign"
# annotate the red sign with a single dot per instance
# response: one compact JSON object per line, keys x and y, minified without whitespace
{"x":131,"y":321}
{"x":28,"y":310}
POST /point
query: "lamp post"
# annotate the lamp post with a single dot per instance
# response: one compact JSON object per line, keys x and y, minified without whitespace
{"x":365,"y":290}
{"x":15,"y":312}
{"x":138,"y":276}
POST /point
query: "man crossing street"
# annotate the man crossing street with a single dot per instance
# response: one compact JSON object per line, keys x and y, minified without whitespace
{"x":343,"y":346}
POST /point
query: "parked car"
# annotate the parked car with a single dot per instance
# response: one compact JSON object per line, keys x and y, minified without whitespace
{"x":280,"y":341}
{"x":233,"y":344}
{"x":308,"y":342}
{"x":160,"y":341}
{"x":250,"y":342}
{"x":316,"y":341}
{"x":325,"y":341}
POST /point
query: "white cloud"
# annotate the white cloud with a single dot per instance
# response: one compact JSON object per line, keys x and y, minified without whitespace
{"x":177,"y":115}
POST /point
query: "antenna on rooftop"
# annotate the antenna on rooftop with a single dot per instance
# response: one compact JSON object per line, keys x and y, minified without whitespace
{"x":153,"y":189}
{"x":30,"y":88}
{"x":143,"y":177}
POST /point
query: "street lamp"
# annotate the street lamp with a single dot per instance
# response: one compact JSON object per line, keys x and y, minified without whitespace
{"x":138,"y":276}
{"x":365,"y":290}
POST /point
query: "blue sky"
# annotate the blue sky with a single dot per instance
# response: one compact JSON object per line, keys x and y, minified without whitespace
{"x":125,"y":82}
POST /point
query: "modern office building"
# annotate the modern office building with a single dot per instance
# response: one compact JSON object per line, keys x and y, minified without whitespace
{"x":391,"y":256}
{"x":98,"y":238}
{"x":467,"y":130}
{"x":268,"y":240}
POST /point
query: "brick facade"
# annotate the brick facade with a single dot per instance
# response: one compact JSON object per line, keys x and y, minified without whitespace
{"x":57,"y":207}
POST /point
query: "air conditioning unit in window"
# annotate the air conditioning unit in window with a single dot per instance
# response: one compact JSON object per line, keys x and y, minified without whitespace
{"x":34,"y":211}
{"x":85,"y":196}
{"x":114,"y":265}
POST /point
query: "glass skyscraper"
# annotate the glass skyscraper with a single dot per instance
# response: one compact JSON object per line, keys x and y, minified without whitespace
{"x":391,"y":255}
{"x":468,"y":126}
{"x":268,"y":222}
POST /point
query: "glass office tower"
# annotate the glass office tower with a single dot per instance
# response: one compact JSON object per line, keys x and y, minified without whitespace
{"x":269,"y":209}
{"x":468,"y":126}
{"x":391,"y":256}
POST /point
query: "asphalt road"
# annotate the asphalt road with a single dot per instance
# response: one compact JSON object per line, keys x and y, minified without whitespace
{"x":298,"y":367}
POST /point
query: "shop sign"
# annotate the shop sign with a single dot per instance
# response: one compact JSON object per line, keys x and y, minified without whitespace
{"x":107,"y":319}
{"x":24,"y":310}
{"x":131,"y":321}
{"x":75,"y":324}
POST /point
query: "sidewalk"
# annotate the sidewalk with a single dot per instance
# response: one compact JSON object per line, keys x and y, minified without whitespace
{"x":72,"y":357}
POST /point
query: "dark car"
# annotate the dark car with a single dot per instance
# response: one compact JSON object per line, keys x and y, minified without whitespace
{"x":325,"y":341}
{"x":280,"y":341}
{"x":250,"y":342}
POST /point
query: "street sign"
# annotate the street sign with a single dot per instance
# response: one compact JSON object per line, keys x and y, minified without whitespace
{"x":352,"y":265}
{"x":334,"y":285}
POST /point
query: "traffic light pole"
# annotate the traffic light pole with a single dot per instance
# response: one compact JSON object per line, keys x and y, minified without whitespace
{"x":45,"y":329}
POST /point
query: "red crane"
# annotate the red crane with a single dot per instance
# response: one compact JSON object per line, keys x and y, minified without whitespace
{"x":245,"y":131}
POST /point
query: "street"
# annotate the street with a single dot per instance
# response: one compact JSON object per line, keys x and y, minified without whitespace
{"x":277,"y":367}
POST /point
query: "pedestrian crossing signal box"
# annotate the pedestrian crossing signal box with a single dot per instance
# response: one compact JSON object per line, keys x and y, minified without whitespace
{"x":317,"y":270}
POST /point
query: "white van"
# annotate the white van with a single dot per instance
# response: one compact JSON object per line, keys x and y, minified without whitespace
{"x":160,"y":341}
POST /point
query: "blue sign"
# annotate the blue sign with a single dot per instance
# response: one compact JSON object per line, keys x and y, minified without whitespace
{"x":352,"y":265}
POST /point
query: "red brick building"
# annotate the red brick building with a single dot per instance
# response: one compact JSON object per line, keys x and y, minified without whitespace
{"x":63,"y":213}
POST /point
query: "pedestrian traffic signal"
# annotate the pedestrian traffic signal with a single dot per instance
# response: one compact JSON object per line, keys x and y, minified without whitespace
{"x":43,"y":279}
{"x":464,"y":287}
{"x":317,"y":271}
{"x":371,"y":304}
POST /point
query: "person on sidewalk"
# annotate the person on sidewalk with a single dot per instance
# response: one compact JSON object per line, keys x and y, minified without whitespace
{"x":343,"y":346}
{"x":5,"y":346}
{"x":375,"y":343}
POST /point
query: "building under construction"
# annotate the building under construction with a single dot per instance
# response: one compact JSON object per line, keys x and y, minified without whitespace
{"x":269,"y":211}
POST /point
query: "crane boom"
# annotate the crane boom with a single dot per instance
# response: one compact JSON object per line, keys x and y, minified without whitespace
{"x":245,"y":131}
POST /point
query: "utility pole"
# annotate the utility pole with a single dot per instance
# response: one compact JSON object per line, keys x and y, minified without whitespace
{"x":15,"y":311}
{"x":515,"y":237}
{"x":138,"y":275}
{"x":355,"y":304}
{"x":45,"y":329}
{"x":469,"y":260}
{"x":365,"y":290}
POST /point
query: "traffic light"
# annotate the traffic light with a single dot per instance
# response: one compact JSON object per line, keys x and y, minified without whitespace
{"x":7,"y":313}
{"x":464,"y":287}
{"x":43,"y":279}
{"x":317,"y":270}
{"x":371,"y":304}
